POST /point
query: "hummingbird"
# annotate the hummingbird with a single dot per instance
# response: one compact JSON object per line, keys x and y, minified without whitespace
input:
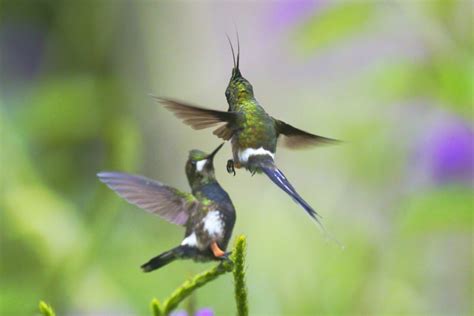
{"x":252,"y":131}
{"x":207,"y":212}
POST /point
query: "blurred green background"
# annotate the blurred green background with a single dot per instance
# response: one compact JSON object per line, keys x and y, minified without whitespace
{"x":393,"y":79}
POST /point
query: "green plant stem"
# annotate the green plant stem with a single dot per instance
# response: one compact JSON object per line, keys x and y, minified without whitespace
{"x":156,"y":307}
{"x":240,"y":289}
{"x":45,"y":309}
{"x":236,"y":264}
{"x":196,"y":282}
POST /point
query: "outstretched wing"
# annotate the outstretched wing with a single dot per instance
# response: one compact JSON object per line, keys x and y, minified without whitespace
{"x":152,"y":196}
{"x":295,"y":138}
{"x":224,"y":132}
{"x":200,"y":118}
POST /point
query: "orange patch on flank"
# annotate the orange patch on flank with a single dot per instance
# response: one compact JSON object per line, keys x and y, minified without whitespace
{"x":216,"y":250}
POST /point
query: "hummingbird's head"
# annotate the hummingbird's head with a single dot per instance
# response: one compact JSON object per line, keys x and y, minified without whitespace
{"x":238,"y":89}
{"x":200,"y":167}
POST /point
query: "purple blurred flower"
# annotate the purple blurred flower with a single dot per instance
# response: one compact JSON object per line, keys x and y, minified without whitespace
{"x":202,"y":312}
{"x":448,"y":152}
{"x":288,"y":13}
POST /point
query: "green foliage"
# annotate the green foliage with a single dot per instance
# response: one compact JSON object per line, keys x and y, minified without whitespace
{"x":77,"y":99}
{"x":45,"y":309}
{"x":445,"y":79}
{"x":334,"y":24}
{"x":439,"y":210}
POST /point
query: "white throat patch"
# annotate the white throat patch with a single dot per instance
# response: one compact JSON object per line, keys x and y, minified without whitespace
{"x":245,"y":154}
{"x":200,"y":165}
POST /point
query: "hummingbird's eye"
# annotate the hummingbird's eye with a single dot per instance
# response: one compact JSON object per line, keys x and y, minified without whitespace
{"x":227,"y":93}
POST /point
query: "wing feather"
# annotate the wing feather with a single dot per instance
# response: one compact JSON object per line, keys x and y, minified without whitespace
{"x":152,"y":196}
{"x":295,"y":138}
{"x":225,"y":132}
{"x":198,"y":117}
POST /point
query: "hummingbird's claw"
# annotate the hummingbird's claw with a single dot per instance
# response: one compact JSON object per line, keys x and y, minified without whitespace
{"x":230,"y":166}
{"x":226,"y":257}
{"x":219,"y":254}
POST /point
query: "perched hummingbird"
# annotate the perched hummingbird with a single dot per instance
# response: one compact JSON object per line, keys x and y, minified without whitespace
{"x":207,"y":213}
{"x":252,"y":131}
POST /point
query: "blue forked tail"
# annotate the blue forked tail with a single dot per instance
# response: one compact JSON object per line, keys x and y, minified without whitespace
{"x":268,"y":167}
{"x":282,"y":182}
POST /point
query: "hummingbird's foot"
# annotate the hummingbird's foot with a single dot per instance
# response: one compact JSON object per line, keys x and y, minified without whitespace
{"x":230,"y":166}
{"x":253,"y":172}
{"x":218,"y":253}
{"x":226,"y":257}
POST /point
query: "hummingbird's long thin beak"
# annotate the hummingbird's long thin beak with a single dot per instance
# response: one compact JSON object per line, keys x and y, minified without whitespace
{"x":211,"y":156}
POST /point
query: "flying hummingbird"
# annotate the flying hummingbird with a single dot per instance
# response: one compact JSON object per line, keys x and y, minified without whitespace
{"x":207,"y":213}
{"x":252,"y":131}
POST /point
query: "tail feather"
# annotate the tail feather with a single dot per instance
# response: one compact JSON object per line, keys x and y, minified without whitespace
{"x":268,"y":167}
{"x":162,"y":260}
{"x":282,"y":182}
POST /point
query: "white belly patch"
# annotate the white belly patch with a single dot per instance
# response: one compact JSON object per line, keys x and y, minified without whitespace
{"x":213,"y":223}
{"x":191,"y":240}
{"x":245,"y":154}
